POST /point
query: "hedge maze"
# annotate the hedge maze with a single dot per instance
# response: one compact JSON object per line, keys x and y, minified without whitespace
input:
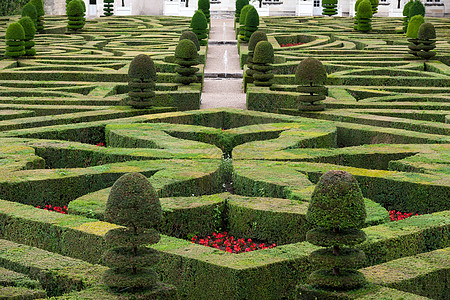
{"x":248,"y":172}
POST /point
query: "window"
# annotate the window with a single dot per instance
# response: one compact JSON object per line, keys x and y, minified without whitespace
{"x":92,"y":2}
{"x":316,"y":3}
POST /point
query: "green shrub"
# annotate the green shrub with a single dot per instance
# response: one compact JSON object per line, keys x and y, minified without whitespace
{"x":406,"y":15}
{"x":364,"y":16}
{"x":239,"y":5}
{"x":426,"y":37}
{"x":262,"y":59}
{"x":242,"y":17}
{"x":15,"y":40}
{"x":355,"y":26}
{"x":329,"y":7}
{"x":108,"y":7}
{"x":29,"y":10}
{"x":30,"y":31}
{"x":39,"y":5}
{"x":190,"y":36}
{"x":310,"y":75}
{"x":75,"y":15}
{"x":204,"y":6}
{"x":251,"y":23}
{"x":132,"y":203}
{"x":417,"y":8}
{"x":374,"y":4}
{"x":426,"y":32}
{"x":413,"y":26}
{"x":186,"y":57}
{"x":142,"y":74}
{"x":255,"y":38}
{"x":337,"y":209}
{"x":199,"y":26}
{"x":11,"y":7}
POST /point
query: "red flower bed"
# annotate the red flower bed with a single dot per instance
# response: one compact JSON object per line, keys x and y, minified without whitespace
{"x":227,"y":243}
{"x":100,"y":144}
{"x":62,"y":210}
{"x":397,"y":215}
{"x":291,"y":44}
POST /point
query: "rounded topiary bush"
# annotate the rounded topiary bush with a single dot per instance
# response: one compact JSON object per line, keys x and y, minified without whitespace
{"x":374,"y":4}
{"x":29,"y":10}
{"x":190,"y":36}
{"x":199,"y":26}
{"x":30,"y":31}
{"x":251,"y":23}
{"x":108,"y":7}
{"x":204,"y":6}
{"x":310,"y":76}
{"x":15,"y":40}
{"x":132,"y":203}
{"x":427,"y":40}
{"x":337,"y":210}
{"x":364,"y":16}
{"x":39,"y":5}
{"x":413,"y":26}
{"x":355,"y":26}
{"x":239,"y":5}
{"x":426,"y":32}
{"x":329,"y":7}
{"x":186,"y":57}
{"x":242,"y":17}
{"x":406,"y":15}
{"x":416,"y":8}
{"x":142,"y":74}
{"x":75,"y":15}
{"x":255,"y":38}
{"x":262,"y":59}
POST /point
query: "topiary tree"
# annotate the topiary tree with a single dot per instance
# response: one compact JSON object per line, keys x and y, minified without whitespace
{"x":337,"y":211}
{"x":406,"y":14}
{"x":199,"y":26}
{"x":186,"y":57}
{"x":75,"y":15}
{"x":355,"y":21}
{"x":30,"y":31}
{"x":329,"y":7}
{"x":411,"y":33}
{"x":427,"y":39}
{"x":262,"y":59}
{"x":15,"y":40}
{"x":364,"y":16}
{"x":310,"y":76}
{"x":256,"y":37}
{"x":29,"y":10}
{"x":416,"y":8}
{"x":108,"y":7}
{"x":242,"y":16}
{"x":251,"y":23}
{"x":40,"y":14}
{"x":142,"y":76}
{"x":374,"y":4}
{"x":190,"y":36}
{"x":132,"y":203}
{"x":204,"y":6}
{"x":239,"y":5}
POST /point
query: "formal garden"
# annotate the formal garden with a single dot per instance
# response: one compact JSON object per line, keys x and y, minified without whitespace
{"x":239,"y":199}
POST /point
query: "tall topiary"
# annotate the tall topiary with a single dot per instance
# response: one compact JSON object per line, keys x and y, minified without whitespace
{"x":190,"y":36}
{"x":329,"y":7}
{"x":262,"y":59}
{"x":411,"y":33}
{"x":186,"y":57}
{"x":406,"y":14}
{"x":40,"y":14}
{"x":416,"y":8}
{"x":251,"y":23}
{"x":30,"y":31}
{"x":29,"y":10}
{"x":204,"y":6}
{"x":427,"y":39}
{"x":108,"y":7}
{"x":199,"y":26}
{"x":15,"y":40}
{"x":132,"y":203}
{"x":337,"y":211}
{"x":242,"y":16}
{"x":374,"y":4}
{"x":256,"y":37}
{"x":75,"y":15}
{"x":364,"y":16}
{"x":355,"y":26}
{"x":142,"y":76}
{"x":239,"y":5}
{"x":310,"y":76}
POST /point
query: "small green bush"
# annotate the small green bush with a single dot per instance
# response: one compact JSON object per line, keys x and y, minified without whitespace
{"x":355,"y":26}
{"x":108,"y":7}
{"x":426,"y":32}
{"x":374,"y":4}
{"x":416,"y":8}
{"x":242,"y":17}
{"x":310,"y":75}
{"x":199,"y":26}
{"x":29,"y":10}
{"x":39,"y":5}
{"x":190,"y":36}
{"x":239,"y":5}
{"x":364,"y":16}
{"x":142,"y":74}
{"x":329,"y":7}
{"x":413,"y":26}
{"x":255,"y":38}
{"x":11,"y":7}
{"x":186,"y":57}
{"x":406,"y":15}
{"x":15,"y":40}
{"x":204,"y":6}
{"x":263,"y":57}
{"x":75,"y":15}
{"x":251,"y":23}
{"x":426,"y":37}
{"x":30,"y":31}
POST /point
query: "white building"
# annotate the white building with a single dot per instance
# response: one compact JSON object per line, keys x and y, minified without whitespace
{"x":393,"y":8}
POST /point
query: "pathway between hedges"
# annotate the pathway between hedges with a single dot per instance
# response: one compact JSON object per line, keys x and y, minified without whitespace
{"x":223,"y":75}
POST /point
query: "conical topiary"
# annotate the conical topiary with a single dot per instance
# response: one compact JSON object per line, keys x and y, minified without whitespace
{"x":256,"y":37}
{"x":374,"y":4}
{"x":199,"y":26}
{"x":427,"y":41}
{"x":75,"y":15}
{"x":364,"y":16}
{"x":329,"y":7}
{"x":242,"y":16}
{"x":204,"y":6}
{"x":406,"y":15}
{"x":251,"y":23}
{"x":337,"y":210}
{"x":29,"y":10}
{"x":411,"y":33}
{"x":132,"y":203}
{"x":142,"y":76}
{"x":310,"y":77}
{"x":186,"y":57}
{"x":40,"y":14}
{"x":355,"y":22}
{"x":262,"y":64}
{"x":239,"y":5}
{"x":15,"y":40}
{"x":30,"y":30}
{"x":190,"y":36}
{"x":108,"y":7}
